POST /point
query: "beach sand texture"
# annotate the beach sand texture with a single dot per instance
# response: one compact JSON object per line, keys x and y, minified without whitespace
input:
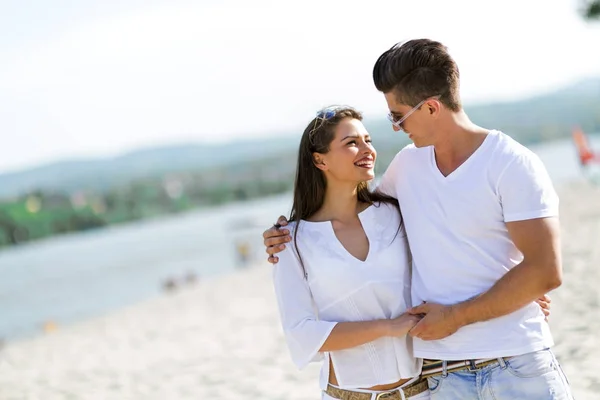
{"x":221,"y":339}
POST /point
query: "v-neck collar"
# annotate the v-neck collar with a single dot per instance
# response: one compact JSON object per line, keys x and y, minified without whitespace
{"x":366,"y":220}
{"x":465,"y":165}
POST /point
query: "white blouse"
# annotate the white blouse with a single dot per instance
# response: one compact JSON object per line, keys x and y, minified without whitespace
{"x":341,"y":288}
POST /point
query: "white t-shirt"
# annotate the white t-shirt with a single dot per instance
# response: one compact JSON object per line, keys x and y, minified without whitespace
{"x":341,"y":288}
{"x":456,"y":227}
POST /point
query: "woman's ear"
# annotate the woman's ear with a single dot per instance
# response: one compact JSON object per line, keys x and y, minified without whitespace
{"x":319,"y":161}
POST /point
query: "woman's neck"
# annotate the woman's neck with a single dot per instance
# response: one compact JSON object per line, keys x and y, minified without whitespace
{"x":340,"y":204}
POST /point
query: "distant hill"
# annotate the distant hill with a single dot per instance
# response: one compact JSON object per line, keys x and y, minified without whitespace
{"x":544,"y":117}
{"x":100,"y":174}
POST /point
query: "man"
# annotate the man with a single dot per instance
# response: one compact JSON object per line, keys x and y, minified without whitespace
{"x":481,"y":216}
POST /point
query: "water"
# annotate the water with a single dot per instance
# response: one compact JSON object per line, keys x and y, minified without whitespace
{"x":68,"y":278}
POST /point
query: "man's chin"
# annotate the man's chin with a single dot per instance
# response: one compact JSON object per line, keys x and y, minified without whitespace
{"x":419,"y":142}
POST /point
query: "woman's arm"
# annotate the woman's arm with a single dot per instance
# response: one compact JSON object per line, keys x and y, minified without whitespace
{"x":346,"y":335}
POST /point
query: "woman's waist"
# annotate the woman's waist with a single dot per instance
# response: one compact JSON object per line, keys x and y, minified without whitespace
{"x":376,"y":385}
{"x":377,"y":365}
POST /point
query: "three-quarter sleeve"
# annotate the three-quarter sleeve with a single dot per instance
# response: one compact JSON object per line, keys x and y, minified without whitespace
{"x":304,"y":332}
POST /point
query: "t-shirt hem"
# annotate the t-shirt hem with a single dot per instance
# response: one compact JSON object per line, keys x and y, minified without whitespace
{"x":516,"y":351}
{"x":547,"y":212}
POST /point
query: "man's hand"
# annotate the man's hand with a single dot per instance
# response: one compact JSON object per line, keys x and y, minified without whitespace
{"x":274,"y":239}
{"x":438,"y":321}
{"x":442,"y":321}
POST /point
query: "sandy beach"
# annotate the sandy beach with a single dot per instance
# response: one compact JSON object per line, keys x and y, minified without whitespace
{"x":221,"y":338}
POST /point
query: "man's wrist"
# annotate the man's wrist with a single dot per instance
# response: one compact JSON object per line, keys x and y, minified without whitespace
{"x":461,"y":313}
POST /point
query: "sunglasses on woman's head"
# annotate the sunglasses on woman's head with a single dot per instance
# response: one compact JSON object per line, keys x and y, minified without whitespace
{"x":324,"y":115}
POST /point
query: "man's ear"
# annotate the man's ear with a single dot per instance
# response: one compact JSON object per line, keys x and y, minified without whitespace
{"x":434,"y":106}
{"x":319,"y":161}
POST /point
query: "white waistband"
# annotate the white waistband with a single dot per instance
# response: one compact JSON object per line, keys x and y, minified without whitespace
{"x":412,"y":380}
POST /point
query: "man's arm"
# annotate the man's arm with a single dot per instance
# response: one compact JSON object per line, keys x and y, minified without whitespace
{"x":538,"y":273}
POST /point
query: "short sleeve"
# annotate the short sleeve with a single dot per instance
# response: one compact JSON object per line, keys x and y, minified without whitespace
{"x":526,"y":190}
{"x":304,"y":333}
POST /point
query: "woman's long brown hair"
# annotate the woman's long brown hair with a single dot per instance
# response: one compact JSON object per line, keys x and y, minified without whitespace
{"x":310,"y":183}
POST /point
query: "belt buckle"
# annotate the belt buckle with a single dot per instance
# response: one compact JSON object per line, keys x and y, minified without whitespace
{"x":383,"y":396}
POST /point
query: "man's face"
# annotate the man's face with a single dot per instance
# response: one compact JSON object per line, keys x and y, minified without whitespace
{"x":417,"y":123}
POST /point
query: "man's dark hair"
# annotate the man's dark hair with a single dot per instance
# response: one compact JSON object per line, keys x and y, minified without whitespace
{"x":416,"y":70}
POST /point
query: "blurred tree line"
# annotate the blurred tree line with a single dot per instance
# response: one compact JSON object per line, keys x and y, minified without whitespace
{"x":591,"y":9}
{"x":41,"y":214}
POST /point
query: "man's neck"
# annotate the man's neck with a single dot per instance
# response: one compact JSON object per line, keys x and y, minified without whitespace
{"x":458,"y":142}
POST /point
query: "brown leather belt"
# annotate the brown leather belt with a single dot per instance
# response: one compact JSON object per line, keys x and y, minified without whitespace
{"x":413,"y":389}
{"x":436,"y":367}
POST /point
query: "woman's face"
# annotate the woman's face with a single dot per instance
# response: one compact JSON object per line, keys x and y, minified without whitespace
{"x":351,"y":157}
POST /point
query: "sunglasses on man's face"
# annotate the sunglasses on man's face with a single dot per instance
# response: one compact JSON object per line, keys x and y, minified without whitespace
{"x":398,"y":122}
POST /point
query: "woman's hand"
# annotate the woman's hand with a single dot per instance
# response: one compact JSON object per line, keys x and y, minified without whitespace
{"x":400,"y":326}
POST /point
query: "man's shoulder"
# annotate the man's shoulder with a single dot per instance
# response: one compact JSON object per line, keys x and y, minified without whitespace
{"x":506,"y":152}
{"x":411,"y":149}
{"x":411,"y":152}
{"x":511,"y":158}
{"x":508,"y":148}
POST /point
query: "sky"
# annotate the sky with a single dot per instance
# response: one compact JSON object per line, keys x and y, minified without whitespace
{"x":96,"y":78}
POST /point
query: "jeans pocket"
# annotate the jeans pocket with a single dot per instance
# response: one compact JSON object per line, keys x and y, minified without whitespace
{"x":531,"y":365}
{"x":434,"y":383}
{"x":421,"y":396}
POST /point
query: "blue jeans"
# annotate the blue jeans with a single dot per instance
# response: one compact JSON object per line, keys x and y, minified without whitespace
{"x":531,"y":376}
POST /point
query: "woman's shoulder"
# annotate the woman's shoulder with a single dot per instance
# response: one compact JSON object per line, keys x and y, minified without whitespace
{"x":388,"y":218}
{"x":385,"y":210}
{"x":302,"y":233}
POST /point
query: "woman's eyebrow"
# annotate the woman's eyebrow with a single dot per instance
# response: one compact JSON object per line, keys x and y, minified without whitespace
{"x":351,"y":136}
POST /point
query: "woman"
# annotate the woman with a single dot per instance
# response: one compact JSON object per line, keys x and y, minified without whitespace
{"x":343,"y":285}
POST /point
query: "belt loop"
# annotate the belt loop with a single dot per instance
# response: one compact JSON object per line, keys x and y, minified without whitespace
{"x":502,"y":362}
{"x":472,"y":365}
{"x":444,"y":368}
